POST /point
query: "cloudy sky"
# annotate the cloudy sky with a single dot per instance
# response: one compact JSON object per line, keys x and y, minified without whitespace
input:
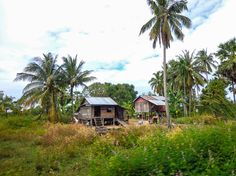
{"x":104,"y":33}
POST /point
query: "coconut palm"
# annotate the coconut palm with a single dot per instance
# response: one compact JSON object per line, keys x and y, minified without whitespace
{"x":188,"y":74}
{"x":74,"y":75}
{"x":44,"y":77}
{"x":171,"y":69}
{"x":156,"y":83}
{"x":166,"y":22}
{"x":206,"y":61}
{"x":227,"y":67}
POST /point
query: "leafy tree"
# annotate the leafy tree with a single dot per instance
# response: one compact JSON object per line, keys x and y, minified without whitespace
{"x":129,"y":107}
{"x":74,"y":75}
{"x":44,"y":77}
{"x":175,"y":101}
{"x":97,"y":89}
{"x":6,"y":103}
{"x":227,"y":54}
{"x":121,"y":93}
{"x":167,"y":21}
{"x":213,"y":99}
{"x":156,"y":83}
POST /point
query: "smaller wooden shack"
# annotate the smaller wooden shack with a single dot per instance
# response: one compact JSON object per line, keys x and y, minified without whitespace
{"x":147,"y":104}
{"x":99,"y":111}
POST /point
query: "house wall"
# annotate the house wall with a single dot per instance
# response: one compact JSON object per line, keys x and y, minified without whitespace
{"x":142,"y":105}
{"x":104,"y":112}
{"x":85,"y":111}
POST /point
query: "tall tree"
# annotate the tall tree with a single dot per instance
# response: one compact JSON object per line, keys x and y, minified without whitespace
{"x":121,"y":93}
{"x":188,"y":74}
{"x":156,"y":83}
{"x":213,"y":99}
{"x":167,"y":20}
{"x":44,"y":77}
{"x":227,"y":54}
{"x":74,"y":75}
{"x":206,"y":61}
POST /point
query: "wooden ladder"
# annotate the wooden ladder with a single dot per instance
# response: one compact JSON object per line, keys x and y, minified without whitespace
{"x":99,"y":126}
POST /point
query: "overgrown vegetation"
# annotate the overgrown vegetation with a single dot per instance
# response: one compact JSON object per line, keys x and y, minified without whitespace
{"x":202,"y":145}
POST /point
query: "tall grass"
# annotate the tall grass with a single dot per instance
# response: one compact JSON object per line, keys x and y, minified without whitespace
{"x":35,"y":147}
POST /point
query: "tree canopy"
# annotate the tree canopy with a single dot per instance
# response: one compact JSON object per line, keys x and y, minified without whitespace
{"x":121,"y":93}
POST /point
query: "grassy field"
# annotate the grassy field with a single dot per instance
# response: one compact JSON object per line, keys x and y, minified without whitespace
{"x":195,"y":146}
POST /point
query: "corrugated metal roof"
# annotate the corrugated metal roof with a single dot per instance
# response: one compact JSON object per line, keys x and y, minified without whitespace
{"x":157,"y":102}
{"x":100,"y":101}
{"x":147,"y":97}
{"x":159,"y":98}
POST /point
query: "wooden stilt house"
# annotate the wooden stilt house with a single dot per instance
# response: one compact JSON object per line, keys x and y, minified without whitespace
{"x":150,"y":104}
{"x":99,"y":111}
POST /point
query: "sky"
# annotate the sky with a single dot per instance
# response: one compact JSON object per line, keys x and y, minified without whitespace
{"x":104,"y":33}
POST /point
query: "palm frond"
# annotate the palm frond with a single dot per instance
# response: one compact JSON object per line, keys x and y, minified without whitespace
{"x":148,"y":25}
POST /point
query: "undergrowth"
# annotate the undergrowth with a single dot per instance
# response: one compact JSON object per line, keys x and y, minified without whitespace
{"x":199,"y":145}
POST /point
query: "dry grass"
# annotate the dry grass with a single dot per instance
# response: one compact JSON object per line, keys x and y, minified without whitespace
{"x":65,"y":134}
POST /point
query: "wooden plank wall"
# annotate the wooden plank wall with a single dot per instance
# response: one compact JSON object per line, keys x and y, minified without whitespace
{"x":142,"y":105}
{"x":106,"y":114}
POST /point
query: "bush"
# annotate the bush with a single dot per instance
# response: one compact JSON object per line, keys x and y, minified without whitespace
{"x":187,"y":151}
{"x":203,"y":120}
{"x":39,"y":148}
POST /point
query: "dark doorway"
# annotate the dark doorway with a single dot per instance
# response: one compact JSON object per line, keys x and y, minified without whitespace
{"x":97,"y":111}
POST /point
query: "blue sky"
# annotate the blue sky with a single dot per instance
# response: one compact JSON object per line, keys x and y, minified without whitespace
{"x":104,"y":34}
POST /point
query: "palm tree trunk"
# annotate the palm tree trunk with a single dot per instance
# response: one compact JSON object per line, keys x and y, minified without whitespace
{"x":165,"y":87}
{"x":52,"y":113}
{"x":233,"y":92}
{"x":184,"y":105}
{"x":190,"y":101}
{"x":72,"y":98}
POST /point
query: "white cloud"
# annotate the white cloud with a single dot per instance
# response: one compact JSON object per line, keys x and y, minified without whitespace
{"x":104,"y":31}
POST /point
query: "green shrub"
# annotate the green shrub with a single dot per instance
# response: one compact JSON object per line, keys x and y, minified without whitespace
{"x":188,"y":151}
{"x":34,"y":147}
{"x":203,"y":120}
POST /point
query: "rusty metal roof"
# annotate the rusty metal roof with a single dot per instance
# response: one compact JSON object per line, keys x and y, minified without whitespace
{"x":157,"y":100}
{"x":100,"y":101}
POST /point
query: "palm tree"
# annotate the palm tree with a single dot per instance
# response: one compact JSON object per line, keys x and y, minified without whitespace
{"x":206,"y":61}
{"x":188,"y":74}
{"x":74,"y":75}
{"x":227,"y":68}
{"x":167,"y":20}
{"x":44,"y":76}
{"x":156,"y":83}
{"x":171,"y":69}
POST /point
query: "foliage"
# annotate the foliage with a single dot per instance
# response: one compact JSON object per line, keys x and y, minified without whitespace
{"x":35,"y":147}
{"x":49,"y":82}
{"x":129,"y":107}
{"x":176,"y":102}
{"x":156,"y":83}
{"x":213,"y":99}
{"x":167,"y":21}
{"x":227,"y":54}
{"x":121,"y":93}
{"x":200,"y":151}
{"x":6,"y":103}
{"x":74,"y":75}
{"x":206,"y":61}
{"x":44,"y":77}
{"x":198,"y":120}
